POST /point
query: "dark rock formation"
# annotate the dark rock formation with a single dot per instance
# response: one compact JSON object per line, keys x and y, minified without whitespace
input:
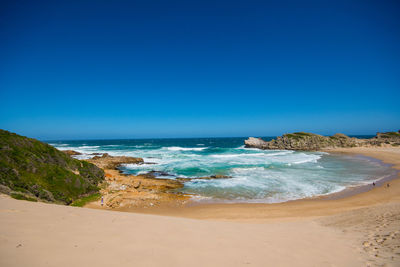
{"x":313,"y":142}
{"x":154,"y":174}
{"x":158,"y":174}
{"x":212,"y":177}
{"x":218,"y":176}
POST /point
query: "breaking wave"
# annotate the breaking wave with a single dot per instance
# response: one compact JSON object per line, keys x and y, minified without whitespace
{"x":177,"y":148}
{"x":255,"y":175}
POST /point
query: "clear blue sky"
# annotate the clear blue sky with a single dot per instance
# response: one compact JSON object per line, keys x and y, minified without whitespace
{"x":134,"y":69}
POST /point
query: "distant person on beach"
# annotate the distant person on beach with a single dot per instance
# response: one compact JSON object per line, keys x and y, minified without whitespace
{"x":373,"y":183}
{"x":102,"y":200}
{"x":387,"y":185}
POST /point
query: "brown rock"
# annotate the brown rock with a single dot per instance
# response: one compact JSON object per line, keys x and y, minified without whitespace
{"x":312,"y":142}
{"x":109,"y":162}
{"x":71,"y":152}
{"x":218,"y":176}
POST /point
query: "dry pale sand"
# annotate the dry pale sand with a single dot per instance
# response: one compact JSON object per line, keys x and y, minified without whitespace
{"x":37,"y":234}
{"x":355,"y":231}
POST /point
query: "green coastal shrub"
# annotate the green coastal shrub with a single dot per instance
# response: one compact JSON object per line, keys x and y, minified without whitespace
{"x":390,"y":135}
{"x":84,"y":200}
{"x":30,"y":166}
{"x":22,"y":197}
{"x":299,"y":135}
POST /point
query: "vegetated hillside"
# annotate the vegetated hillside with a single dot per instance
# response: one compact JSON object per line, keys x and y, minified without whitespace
{"x":30,"y":169}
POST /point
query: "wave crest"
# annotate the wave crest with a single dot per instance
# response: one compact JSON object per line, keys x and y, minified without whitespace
{"x":178,"y":148}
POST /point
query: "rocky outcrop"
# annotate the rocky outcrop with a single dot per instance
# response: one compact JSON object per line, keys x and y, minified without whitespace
{"x":152,"y":189}
{"x":71,"y":152}
{"x":255,"y":142}
{"x":110,"y":162}
{"x":387,"y":138}
{"x":121,"y":191}
{"x":312,"y":142}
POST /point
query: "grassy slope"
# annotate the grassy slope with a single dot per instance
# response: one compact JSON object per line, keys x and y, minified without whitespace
{"x":38,"y":169}
{"x":390,"y":135}
{"x":299,"y":135}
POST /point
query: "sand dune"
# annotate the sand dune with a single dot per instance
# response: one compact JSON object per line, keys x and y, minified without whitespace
{"x":37,"y":234}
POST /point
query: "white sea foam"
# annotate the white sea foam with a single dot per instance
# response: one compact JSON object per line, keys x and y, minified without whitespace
{"x":303,"y":161}
{"x":61,"y":148}
{"x":88,"y":147}
{"x":245,"y":155}
{"x":57,"y":145}
{"x":257,"y":175}
{"x":248,"y":148}
{"x":83,"y":156}
{"x":227,"y":156}
{"x":247,"y":170}
{"x":286,"y":152}
{"x":178,"y":148}
{"x":311,"y":159}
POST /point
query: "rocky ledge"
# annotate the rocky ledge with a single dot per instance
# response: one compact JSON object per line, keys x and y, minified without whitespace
{"x":125,"y":192}
{"x":71,"y":152}
{"x":312,"y":142}
{"x":111,"y":162}
{"x":130,"y":192}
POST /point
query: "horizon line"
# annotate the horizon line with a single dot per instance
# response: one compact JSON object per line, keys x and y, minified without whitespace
{"x":214,"y":137}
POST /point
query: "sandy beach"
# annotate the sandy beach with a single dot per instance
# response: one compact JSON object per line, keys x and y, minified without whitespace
{"x":357,"y":230}
{"x":314,"y":207}
{"x":200,"y":133}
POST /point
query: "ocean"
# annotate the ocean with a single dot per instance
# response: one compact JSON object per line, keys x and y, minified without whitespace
{"x":259,"y":176}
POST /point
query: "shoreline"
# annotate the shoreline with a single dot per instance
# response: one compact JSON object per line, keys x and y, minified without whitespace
{"x":347,"y":199}
{"x":362,"y":188}
{"x":181,"y":198}
{"x":346,"y":192}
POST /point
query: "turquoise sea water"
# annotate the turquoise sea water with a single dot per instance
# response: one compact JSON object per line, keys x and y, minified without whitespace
{"x":257,"y":175}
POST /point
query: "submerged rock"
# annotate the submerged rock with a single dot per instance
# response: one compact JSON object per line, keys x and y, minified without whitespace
{"x":218,"y":176}
{"x":212,"y":177}
{"x":158,"y":174}
{"x":154,"y":174}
